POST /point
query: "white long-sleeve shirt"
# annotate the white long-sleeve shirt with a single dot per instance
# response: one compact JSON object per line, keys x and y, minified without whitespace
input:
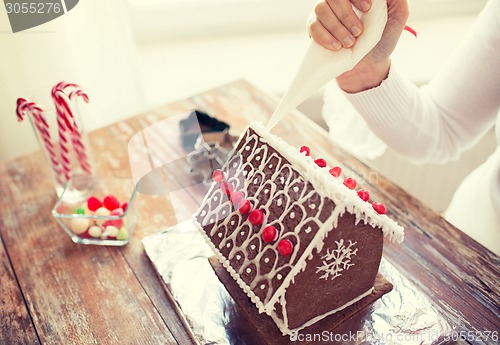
{"x":438,"y":122}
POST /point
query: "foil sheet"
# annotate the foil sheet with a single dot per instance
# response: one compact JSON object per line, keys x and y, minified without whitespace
{"x":179,"y":254}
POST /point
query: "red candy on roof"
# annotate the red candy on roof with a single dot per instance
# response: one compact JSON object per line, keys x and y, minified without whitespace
{"x":285,"y":247}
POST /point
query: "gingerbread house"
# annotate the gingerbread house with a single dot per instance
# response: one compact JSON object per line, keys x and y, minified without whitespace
{"x":299,"y":240}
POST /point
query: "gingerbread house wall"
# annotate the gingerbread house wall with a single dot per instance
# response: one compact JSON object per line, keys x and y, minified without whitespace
{"x":356,"y":251}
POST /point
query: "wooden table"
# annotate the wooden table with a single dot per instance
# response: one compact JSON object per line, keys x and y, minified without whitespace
{"x":53,"y":291}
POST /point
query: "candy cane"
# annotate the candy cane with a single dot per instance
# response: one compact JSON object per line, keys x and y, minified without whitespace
{"x":63,"y":128}
{"x":42,"y":126}
{"x":67,"y":120}
{"x":77,"y":136}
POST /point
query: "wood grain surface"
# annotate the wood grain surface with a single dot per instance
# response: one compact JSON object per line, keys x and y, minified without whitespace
{"x":56,"y":292}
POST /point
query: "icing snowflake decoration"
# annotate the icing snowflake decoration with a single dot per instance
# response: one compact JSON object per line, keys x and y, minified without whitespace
{"x":335,"y":261}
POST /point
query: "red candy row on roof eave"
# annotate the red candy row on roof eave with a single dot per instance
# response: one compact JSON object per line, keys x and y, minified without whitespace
{"x":256,"y":217}
{"x":348,"y":182}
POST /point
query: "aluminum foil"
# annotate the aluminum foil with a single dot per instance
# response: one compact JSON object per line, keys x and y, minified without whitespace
{"x":179,"y":254}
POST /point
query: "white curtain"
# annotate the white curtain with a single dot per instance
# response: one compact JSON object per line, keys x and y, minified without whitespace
{"x":91,"y":45}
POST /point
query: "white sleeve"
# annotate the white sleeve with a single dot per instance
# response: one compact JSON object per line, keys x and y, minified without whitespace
{"x":437,"y":122}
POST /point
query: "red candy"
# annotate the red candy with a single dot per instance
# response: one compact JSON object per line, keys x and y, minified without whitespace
{"x":335,"y":171}
{"x":244,"y":207}
{"x":217,"y":176}
{"x":256,"y":217}
{"x":305,"y":149}
{"x":364,"y":194}
{"x":379,"y":207}
{"x":124,"y":206}
{"x":285,"y":247}
{"x":93,"y":203}
{"x":350,"y":183}
{"x":269,"y":234}
{"x":236,"y":197}
{"x":115,"y":222}
{"x":320,"y":162}
{"x":226,"y":188}
{"x":110,"y":202}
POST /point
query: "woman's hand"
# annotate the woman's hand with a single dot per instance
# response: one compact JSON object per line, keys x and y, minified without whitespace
{"x":334,"y":25}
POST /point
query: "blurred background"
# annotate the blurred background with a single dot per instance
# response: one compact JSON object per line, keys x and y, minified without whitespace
{"x":133,"y":55}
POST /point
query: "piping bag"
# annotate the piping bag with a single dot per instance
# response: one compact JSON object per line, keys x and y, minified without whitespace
{"x":320,"y":65}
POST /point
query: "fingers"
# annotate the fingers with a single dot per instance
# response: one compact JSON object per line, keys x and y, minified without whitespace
{"x":336,"y":24}
{"x":321,"y":35}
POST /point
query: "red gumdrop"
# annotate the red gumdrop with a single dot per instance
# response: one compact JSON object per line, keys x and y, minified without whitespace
{"x":285,"y":247}
{"x":218,"y":176}
{"x":236,"y":197}
{"x":335,"y":171}
{"x":379,"y":208}
{"x":305,"y":149}
{"x":269,"y":234}
{"x":93,"y":203}
{"x":364,"y":194}
{"x":256,"y":217}
{"x":111,"y":202}
{"x":350,"y":183}
{"x":320,"y":162}
{"x":124,"y":206}
{"x":226,"y":188}
{"x":244,"y":207}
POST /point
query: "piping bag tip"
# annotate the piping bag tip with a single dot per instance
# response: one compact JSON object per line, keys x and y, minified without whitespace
{"x":320,"y":66}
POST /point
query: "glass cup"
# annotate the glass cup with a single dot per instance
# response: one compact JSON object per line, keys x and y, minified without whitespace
{"x":65,"y":144}
{"x":101,"y":224}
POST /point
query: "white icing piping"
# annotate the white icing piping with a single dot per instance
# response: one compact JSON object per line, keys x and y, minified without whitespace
{"x":283,"y":324}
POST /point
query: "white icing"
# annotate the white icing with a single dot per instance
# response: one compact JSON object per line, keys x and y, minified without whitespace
{"x":266,"y":260}
{"x":312,"y":206}
{"x":252,"y":247}
{"x":238,"y":257}
{"x":279,"y":202}
{"x":279,"y":276}
{"x":232,"y":222}
{"x":283,"y":324}
{"x":263,"y":286}
{"x":249,"y":270}
{"x":308,"y":230}
{"x":336,"y":260}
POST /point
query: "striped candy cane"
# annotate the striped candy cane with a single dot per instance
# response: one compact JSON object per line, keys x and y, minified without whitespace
{"x":63,"y":129}
{"x":76,"y":138}
{"x":42,"y":126}
{"x":67,"y":122}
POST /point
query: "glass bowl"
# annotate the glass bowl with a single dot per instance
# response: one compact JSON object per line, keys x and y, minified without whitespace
{"x":97,"y":210}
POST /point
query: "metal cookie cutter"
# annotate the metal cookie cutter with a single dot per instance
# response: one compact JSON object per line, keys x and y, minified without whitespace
{"x":212,"y":150}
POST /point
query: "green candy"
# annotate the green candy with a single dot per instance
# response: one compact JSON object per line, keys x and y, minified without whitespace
{"x":80,"y":210}
{"x":122,"y":234}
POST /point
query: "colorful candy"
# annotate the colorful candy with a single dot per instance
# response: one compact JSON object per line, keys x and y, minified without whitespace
{"x":218,"y":176}
{"x":379,"y":208}
{"x":285,"y":247}
{"x":269,"y":234}
{"x":306,"y":150}
{"x":256,"y":217}
{"x":364,"y":194}
{"x":335,"y":171}
{"x":236,"y":197}
{"x":244,"y":207}
{"x":93,"y":203}
{"x":350,"y":183}
{"x":79,"y":225}
{"x":96,"y":222}
{"x":111,"y":202}
{"x":226,"y":188}
{"x":320,"y":162}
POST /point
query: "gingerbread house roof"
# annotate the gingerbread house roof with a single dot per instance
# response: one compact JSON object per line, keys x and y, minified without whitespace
{"x":302,"y":200}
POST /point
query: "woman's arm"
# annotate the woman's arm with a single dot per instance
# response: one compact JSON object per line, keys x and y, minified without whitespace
{"x":438,"y":122}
